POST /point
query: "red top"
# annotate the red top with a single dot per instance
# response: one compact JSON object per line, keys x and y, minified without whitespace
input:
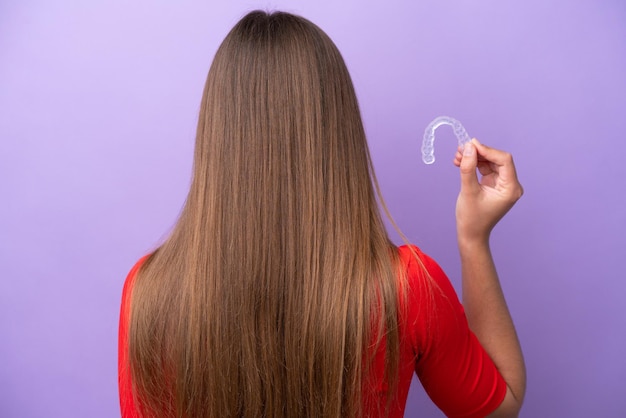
{"x":435,"y":342}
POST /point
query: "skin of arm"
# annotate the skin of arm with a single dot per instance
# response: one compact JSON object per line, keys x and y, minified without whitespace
{"x":480,"y":205}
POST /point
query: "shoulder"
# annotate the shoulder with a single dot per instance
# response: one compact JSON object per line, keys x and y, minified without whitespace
{"x":418,"y":266}
{"x":130,"y":278}
{"x":430,"y":301}
{"x":424,"y":277}
{"x":126,"y":298}
{"x":133,"y":271}
{"x":127,"y":404}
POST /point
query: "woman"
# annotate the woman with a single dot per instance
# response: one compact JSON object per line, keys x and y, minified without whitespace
{"x":279,"y":293}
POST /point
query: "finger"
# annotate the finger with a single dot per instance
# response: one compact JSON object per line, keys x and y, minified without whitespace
{"x":469,"y":161}
{"x":499,"y":161}
{"x":486,"y":169}
{"x":491,"y":154}
{"x":457,"y":159}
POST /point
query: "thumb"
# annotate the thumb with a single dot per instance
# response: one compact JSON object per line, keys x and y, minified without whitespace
{"x":469,"y":162}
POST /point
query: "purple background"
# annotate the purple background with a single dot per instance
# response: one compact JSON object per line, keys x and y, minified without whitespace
{"x":98,"y":105}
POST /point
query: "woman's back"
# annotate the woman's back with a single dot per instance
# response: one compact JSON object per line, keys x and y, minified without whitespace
{"x":279,"y":254}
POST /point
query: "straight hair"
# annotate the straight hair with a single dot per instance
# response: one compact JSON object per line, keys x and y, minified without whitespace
{"x":278,"y":283}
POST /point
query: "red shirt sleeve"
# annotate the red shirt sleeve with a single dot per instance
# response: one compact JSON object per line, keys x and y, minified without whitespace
{"x":456,"y":372}
{"x":127,"y":403}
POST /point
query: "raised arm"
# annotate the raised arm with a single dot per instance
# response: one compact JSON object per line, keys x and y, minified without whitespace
{"x":480,"y":205}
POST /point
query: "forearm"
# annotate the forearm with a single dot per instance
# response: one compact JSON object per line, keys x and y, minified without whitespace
{"x":488,"y":314}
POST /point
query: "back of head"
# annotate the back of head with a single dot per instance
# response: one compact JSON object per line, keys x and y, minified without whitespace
{"x":260,"y":302}
{"x":279,"y":117}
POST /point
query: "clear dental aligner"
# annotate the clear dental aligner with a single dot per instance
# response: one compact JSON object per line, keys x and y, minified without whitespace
{"x":428,"y":149}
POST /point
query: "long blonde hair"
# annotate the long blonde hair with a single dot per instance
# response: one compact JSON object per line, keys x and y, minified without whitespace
{"x":278,"y":281}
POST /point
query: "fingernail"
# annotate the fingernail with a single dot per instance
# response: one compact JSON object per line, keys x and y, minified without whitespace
{"x":467,"y":148}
